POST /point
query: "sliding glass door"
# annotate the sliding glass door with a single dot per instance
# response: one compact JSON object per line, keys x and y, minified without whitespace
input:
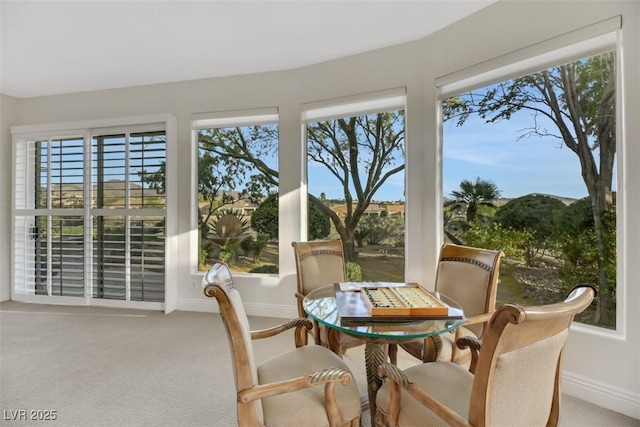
{"x":90,"y":215}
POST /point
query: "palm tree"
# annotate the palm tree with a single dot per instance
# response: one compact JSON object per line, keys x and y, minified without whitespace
{"x":472,"y":195}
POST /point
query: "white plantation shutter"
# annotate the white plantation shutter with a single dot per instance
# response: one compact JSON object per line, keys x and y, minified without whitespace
{"x":90,"y":213}
{"x":48,"y":227}
{"x":128,"y":215}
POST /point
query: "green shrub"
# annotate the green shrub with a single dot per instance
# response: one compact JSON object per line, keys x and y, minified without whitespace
{"x":265,"y":219}
{"x":354,"y":272}
{"x":266,"y":269}
{"x":227,"y":253}
{"x":513,"y":243}
{"x":202,"y":257}
{"x":254,"y":247}
{"x":360,"y":234}
{"x":383,"y":229}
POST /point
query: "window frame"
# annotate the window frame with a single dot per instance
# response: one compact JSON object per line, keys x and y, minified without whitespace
{"x":357,"y":105}
{"x":220,"y":119}
{"x":585,"y":42}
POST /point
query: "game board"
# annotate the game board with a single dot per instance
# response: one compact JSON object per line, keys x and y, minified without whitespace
{"x":410,"y":300}
{"x":406,"y":301}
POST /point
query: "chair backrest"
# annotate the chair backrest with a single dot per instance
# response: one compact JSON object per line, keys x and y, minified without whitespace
{"x":469,"y":276}
{"x":318,"y":263}
{"x":517,"y":379}
{"x":218,"y":283}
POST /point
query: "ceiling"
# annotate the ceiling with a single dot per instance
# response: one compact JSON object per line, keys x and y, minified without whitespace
{"x":53,"y":47}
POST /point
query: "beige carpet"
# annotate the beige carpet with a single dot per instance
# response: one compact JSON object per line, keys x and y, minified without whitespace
{"x":112,"y":367}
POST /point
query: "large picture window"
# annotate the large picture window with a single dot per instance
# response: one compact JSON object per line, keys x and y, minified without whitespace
{"x":355,"y":179}
{"x":237,"y":210}
{"x":529,"y":167}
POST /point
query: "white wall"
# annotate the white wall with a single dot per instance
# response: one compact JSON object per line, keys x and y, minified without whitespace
{"x":7,"y":110}
{"x":602,"y":368}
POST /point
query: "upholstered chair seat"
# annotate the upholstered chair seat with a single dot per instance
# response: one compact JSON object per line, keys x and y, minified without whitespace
{"x":308,"y":385}
{"x":430,"y":377}
{"x":470,"y":277}
{"x":304,"y":409}
{"x":514,"y":377}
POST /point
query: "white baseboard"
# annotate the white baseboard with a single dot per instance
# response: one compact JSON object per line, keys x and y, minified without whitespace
{"x":83,"y":301}
{"x":252,"y":309}
{"x":602,"y":395}
{"x":199,"y":305}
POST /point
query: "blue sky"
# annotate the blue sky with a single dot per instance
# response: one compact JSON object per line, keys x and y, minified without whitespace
{"x":321,"y":181}
{"x":493,"y":152}
{"x":518,"y":167}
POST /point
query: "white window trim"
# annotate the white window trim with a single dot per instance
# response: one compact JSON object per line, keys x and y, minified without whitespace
{"x":373,"y":102}
{"x":569,"y":47}
{"x":253,"y":117}
{"x":219,"y":119}
{"x":356,"y":105}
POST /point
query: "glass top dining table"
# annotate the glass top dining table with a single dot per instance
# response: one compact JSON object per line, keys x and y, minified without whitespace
{"x":326,"y":305}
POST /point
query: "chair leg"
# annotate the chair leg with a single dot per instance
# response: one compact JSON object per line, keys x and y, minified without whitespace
{"x":334,"y":342}
{"x":432,"y":348}
{"x":316,"y":333}
{"x":393,"y":353}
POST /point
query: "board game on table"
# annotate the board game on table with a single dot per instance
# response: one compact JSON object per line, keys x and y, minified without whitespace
{"x":390,"y":301}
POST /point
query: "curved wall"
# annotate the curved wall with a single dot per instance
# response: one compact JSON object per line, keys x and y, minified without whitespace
{"x":602,"y":368}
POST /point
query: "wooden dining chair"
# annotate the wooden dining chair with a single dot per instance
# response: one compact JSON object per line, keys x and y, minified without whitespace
{"x":470,"y":277}
{"x":516,"y":378}
{"x":319,"y":263}
{"x":306,"y":386}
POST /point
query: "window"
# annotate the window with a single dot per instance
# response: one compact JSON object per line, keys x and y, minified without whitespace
{"x":128,"y":178}
{"x":238,"y":178}
{"x":90,"y":214}
{"x":49,"y":255}
{"x":355,"y":177}
{"x":529,"y":167}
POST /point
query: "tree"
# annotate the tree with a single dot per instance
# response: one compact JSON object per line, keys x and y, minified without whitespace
{"x":578,"y":99}
{"x":361,"y":153}
{"x":217,"y":179}
{"x":535,"y":213}
{"x":580,"y":258}
{"x":265,"y":218}
{"x":224,"y":174}
{"x":473,"y":195}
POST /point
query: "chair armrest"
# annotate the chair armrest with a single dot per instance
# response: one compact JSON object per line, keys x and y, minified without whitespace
{"x":474,"y":344}
{"x":400,"y":380}
{"x":480,"y":318}
{"x":299,"y":300}
{"x":329,"y":377}
{"x":297,"y":323}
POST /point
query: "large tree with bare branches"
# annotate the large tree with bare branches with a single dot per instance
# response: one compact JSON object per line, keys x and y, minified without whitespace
{"x":361,"y":153}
